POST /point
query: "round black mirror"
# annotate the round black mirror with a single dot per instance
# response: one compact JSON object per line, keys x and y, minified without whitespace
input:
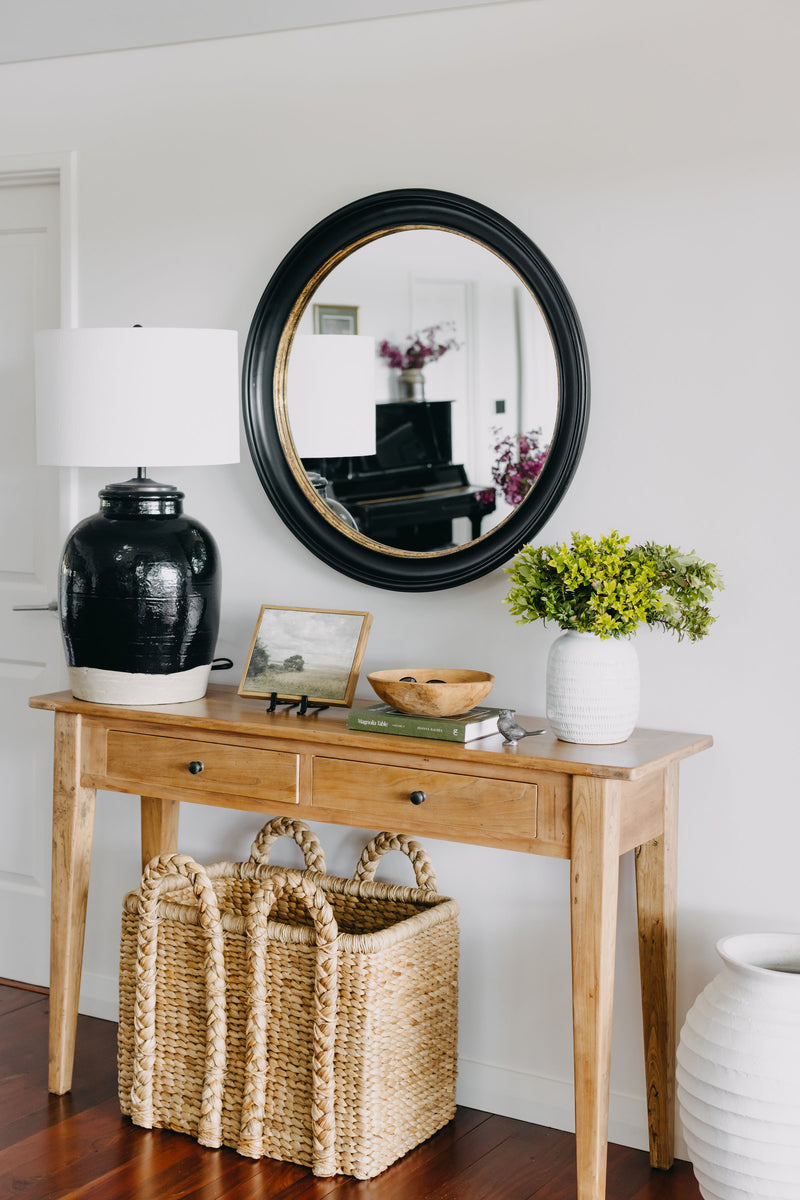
{"x":399,"y":494}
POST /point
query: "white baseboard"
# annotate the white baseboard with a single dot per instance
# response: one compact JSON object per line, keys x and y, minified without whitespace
{"x":529,"y":1097}
{"x":99,"y":996}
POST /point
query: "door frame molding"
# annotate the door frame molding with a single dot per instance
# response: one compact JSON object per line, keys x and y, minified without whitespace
{"x":59,"y":168}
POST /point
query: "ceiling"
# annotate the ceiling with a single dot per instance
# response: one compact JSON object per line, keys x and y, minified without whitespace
{"x":37,"y":29}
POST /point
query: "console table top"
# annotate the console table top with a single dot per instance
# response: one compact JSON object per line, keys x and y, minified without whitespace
{"x":224,"y":710}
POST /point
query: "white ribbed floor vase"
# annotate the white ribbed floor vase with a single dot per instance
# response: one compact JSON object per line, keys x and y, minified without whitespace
{"x":739,"y":1072}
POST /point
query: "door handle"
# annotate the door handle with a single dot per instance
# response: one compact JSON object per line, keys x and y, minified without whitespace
{"x":51,"y":607}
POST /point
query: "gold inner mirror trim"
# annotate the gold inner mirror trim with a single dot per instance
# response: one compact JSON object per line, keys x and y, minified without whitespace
{"x":280,"y":400}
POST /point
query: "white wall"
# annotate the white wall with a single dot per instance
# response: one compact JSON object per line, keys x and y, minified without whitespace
{"x":652,"y":152}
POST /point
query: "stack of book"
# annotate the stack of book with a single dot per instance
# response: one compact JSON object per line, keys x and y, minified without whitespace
{"x":466,"y":727}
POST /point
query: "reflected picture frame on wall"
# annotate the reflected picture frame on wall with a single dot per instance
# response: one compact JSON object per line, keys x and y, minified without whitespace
{"x":306,"y":652}
{"x":335,"y":318}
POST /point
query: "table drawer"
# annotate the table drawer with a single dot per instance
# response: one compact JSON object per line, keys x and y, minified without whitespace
{"x":402,"y":798}
{"x":155,"y":763}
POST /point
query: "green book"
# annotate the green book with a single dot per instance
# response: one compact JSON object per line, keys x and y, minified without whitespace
{"x":382,"y":718}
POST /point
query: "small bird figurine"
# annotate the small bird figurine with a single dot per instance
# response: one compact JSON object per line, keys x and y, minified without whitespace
{"x":511,"y":730}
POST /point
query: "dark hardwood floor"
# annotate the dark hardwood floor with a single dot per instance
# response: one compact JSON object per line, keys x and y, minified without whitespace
{"x":79,"y":1147}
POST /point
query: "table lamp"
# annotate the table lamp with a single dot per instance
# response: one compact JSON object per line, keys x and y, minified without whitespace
{"x":139,"y":583}
{"x":330,"y":391}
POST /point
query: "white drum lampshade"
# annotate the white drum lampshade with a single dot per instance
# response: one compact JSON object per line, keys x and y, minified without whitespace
{"x":130,"y":397}
{"x":330,"y":395}
{"x":139,"y":585}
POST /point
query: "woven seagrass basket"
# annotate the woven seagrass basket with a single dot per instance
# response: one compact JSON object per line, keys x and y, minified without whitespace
{"x":290,"y":1014}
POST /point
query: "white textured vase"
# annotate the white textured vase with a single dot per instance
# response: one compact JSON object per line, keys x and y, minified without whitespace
{"x":592,"y":688}
{"x":739,"y":1072}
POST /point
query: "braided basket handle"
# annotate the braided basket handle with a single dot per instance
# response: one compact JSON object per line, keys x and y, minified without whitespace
{"x":382,"y":844}
{"x":209,"y":1129}
{"x":305,"y":837}
{"x":270,"y":887}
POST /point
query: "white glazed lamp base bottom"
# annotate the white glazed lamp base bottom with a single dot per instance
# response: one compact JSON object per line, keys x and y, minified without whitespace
{"x":739,"y":1072}
{"x":125,"y":687}
{"x":592,"y":688}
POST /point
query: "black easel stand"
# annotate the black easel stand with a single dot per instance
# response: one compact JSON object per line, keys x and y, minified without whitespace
{"x":302,"y":705}
{"x":306,"y":707}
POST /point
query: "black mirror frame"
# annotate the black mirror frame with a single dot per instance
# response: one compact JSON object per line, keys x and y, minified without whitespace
{"x":266,"y":425}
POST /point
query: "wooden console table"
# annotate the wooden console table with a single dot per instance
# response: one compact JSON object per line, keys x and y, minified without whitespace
{"x":589,"y":804}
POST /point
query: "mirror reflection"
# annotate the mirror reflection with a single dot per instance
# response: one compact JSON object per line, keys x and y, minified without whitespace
{"x":422,"y":390}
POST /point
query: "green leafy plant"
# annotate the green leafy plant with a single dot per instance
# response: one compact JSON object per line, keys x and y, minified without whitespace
{"x":610,"y":588}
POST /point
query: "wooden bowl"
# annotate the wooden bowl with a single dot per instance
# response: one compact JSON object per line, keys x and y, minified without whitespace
{"x":431,"y":691}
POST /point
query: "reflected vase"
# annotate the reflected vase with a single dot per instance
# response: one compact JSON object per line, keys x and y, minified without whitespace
{"x":411,"y":384}
{"x":739,"y":1072}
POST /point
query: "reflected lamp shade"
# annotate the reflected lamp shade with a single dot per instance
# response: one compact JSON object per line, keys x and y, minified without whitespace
{"x":139,"y":581}
{"x":330,"y":394}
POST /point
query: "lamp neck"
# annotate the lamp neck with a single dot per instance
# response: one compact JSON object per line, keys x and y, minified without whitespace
{"x":140,"y":496}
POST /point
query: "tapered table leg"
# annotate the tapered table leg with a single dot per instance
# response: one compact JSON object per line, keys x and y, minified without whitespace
{"x":594,"y":889}
{"x":159,"y":827}
{"x":656,"y":880}
{"x":73,"y":824}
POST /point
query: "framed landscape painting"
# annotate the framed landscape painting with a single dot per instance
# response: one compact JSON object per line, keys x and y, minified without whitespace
{"x":335,"y":318}
{"x":311,"y":652}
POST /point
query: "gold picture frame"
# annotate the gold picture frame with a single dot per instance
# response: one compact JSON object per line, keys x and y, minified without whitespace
{"x":335,"y":318}
{"x":311,"y":652}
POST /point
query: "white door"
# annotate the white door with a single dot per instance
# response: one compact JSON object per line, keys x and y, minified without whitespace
{"x":31,"y":530}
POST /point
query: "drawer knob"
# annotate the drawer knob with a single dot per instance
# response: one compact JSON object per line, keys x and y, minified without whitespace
{"x":196,"y":767}
{"x":417,"y":797}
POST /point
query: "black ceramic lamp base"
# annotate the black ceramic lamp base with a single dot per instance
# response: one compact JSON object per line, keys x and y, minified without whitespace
{"x":139,"y":599}
{"x":134,"y":688}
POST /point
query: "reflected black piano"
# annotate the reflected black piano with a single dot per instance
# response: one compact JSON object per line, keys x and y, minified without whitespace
{"x":409,"y":492}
